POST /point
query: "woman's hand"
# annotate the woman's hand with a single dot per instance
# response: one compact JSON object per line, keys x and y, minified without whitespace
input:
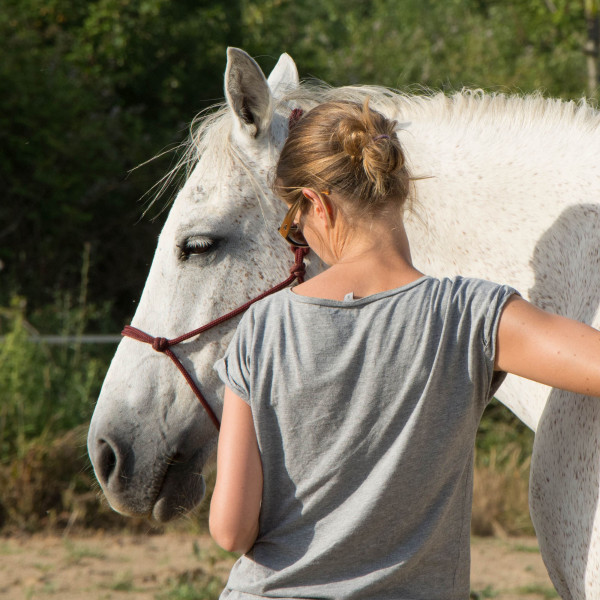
{"x":548,"y":348}
{"x":235,"y":504}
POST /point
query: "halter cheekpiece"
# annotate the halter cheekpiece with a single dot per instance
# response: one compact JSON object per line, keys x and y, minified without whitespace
{"x":164,"y":345}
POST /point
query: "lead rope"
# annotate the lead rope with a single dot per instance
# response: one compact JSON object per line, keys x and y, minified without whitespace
{"x":164,"y":345}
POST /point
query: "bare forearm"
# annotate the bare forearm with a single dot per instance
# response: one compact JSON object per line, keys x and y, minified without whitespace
{"x":235,"y":505}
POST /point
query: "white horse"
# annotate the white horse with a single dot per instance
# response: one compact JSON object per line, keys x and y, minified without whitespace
{"x":511,"y":195}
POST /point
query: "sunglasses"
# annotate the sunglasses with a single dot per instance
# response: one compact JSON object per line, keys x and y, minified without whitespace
{"x":289,"y":230}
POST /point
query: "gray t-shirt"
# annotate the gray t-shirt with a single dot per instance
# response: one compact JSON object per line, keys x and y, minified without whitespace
{"x":365,"y":413}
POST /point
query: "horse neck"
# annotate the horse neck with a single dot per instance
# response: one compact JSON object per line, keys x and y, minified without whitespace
{"x":497,"y":176}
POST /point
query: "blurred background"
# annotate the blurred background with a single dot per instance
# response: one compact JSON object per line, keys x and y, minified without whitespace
{"x":92,"y":89}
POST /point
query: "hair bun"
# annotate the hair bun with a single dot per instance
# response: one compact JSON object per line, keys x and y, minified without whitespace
{"x":352,"y":137}
{"x":373,"y":146}
{"x":350,"y":149}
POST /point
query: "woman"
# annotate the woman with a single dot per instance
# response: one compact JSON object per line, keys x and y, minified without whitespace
{"x":345,"y":457}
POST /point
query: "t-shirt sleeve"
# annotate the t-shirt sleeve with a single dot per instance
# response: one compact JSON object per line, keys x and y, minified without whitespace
{"x":234,"y":367}
{"x":490,"y":333}
{"x":481,"y":303}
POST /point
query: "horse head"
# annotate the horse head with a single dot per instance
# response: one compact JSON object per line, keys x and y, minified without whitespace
{"x":149,"y":438}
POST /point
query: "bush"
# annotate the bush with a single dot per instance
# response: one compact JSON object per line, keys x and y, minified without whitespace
{"x":52,"y":485}
{"x":44,"y":390}
{"x":47,"y":396}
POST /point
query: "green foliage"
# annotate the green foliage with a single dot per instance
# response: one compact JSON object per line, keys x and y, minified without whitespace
{"x":538,"y":590}
{"x":487,"y":592}
{"x":46,"y":390}
{"x":43,"y":390}
{"x":501,"y":480}
{"x":193,"y":585}
{"x":478,"y":43}
{"x":88,"y":91}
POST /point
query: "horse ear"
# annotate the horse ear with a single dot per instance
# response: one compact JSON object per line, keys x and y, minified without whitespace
{"x":247,"y":92}
{"x":284,"y":77}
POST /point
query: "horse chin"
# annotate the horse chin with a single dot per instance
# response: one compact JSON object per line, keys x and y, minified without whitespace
{"x":179,"y":494}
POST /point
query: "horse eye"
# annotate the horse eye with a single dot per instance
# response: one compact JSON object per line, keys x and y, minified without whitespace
{"x":194,"y":246}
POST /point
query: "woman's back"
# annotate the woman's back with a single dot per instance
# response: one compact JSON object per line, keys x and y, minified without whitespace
{"x":365,"y":413}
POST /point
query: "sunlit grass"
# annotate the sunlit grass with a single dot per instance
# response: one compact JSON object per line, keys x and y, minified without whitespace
{"x":77,"y":552}
{"x":541,"y":590}
{"x":487,"y":592}
{"x":193,"y":585}
{"x":525,"y":548}
{"x":123,"y":582}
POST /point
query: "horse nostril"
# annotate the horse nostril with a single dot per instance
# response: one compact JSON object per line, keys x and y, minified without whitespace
{"x":106,"y":462}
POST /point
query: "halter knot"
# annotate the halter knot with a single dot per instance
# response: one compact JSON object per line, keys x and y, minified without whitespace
{"x":298,"y":271}
{"x":160,"y":344}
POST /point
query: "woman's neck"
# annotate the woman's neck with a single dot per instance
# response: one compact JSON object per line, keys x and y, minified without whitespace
{"x":368,"y":260}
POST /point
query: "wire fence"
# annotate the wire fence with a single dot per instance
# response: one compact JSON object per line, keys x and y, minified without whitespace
{"x":73,"y":339}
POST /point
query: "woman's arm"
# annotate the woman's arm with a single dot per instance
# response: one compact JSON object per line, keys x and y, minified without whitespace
{"x":547,"y":348}
{"x":235,"y":504}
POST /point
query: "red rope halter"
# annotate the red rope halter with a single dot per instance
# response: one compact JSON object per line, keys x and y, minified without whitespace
{"x":164,"y":345}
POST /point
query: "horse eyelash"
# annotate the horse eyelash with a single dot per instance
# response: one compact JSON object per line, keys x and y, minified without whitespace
{"x":191,"y":247}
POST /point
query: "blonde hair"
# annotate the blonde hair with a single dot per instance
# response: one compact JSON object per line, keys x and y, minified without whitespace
{"x":350,"y":150}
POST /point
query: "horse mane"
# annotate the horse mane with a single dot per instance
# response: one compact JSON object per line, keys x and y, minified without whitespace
{"x":470,"y":107}
{"x":467,"y":109}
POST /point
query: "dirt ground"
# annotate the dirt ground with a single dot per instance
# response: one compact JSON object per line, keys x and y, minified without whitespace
{"x":181,"y":566}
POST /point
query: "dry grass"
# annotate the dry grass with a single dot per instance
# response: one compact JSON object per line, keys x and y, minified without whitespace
{"x":500,"y":494}
{"x":52,"y":486}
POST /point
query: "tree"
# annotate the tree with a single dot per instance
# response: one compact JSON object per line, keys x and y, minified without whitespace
{"x":89,"y":90}
{"x":592,"y":44}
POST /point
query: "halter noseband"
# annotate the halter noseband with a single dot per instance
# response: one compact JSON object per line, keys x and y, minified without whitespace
{"x":164,"y":345}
